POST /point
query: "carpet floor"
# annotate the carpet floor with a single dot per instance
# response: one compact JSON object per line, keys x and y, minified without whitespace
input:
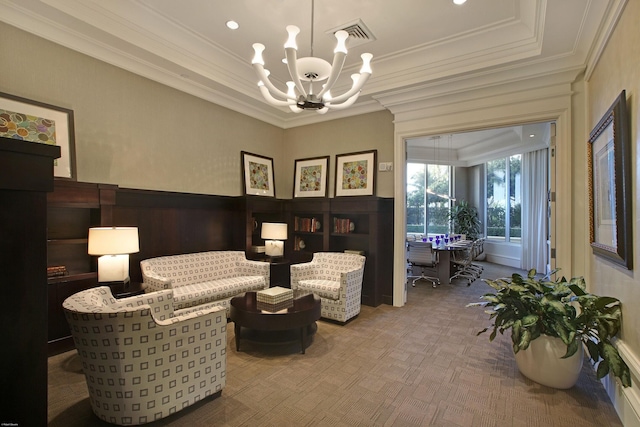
{"x":419,"y":365}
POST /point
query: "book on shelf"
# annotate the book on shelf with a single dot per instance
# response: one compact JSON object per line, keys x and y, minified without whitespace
{"x":342,"y":225}
{"x":306,"y":225}
{"x":57,"y":271}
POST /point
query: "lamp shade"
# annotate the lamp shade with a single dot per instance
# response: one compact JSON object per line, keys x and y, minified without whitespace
{"x":113,"y":240}
{"x":274,"y":231}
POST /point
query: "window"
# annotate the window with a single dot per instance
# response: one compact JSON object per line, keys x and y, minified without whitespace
{"x":428,"y":198}
{"x":504,"y":199}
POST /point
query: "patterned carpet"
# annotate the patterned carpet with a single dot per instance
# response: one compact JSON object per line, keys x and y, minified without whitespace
{"x":420,"y":365}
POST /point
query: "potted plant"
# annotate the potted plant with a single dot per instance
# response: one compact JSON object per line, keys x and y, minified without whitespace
{"x":540,"y":311}
{"x":464,"y":220}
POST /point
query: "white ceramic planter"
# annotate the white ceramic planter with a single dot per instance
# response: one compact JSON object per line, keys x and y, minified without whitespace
{"x":542,"y":362}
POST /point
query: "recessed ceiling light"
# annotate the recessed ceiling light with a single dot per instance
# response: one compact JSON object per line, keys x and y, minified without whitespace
{"x":532,"y":135}
{"x":232,"y":25}
{"x":459,"y":1}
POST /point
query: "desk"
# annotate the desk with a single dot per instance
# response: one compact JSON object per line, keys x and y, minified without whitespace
{"x":444,"y":258}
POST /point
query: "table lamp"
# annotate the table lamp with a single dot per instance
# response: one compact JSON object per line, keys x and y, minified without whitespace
{"x":274,"y":234}
{"x":113,"y":244}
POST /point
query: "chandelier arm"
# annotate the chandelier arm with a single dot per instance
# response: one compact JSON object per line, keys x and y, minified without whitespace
{"x":357,"y":86}
{"x":336,"y":68}
{"x":292,"y":64}
{"x":274,"y":101}
{"x":348,"y":103}
{"x":264,"y":78}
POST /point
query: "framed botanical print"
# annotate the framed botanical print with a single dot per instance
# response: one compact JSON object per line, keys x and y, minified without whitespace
{"x":34,"y":121}
{"x":356,"y":173}
{"x":311,"y":177}
{"x":257,"y":175}
{"x":609,"y":164}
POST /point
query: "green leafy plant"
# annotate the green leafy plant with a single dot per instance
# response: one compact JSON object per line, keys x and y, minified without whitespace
{"x":532,"y":307}
{"x":464,"y":220}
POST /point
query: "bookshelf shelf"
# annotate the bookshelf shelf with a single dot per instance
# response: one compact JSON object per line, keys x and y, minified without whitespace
{"x":358,"y":224}
{"x":72,"y":208}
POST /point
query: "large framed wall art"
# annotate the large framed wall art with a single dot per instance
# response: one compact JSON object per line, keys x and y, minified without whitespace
{"x":311,"y":177}
{"x":355,"y":173}
{"x":609,"y":164}
{"x":34,"y":121}
{"x":257,"y":175}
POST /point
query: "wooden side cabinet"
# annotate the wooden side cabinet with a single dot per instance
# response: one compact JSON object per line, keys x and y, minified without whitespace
{"x":365,"y":224}
{"x":72,"y":208}
{"x":59,"y":289}
{"x":259,"y":210}
{"x":27,"y":176}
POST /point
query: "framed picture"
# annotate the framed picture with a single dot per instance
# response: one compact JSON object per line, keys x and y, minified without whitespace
{"x":356,"y":173}
{"x":34,"y":121}
{"x":311,"y":177}
{"x":257,"y":175}
{"x":609,"y":163}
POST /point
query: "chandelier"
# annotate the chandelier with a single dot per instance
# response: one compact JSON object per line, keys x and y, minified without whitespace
{"x":312,"y":71}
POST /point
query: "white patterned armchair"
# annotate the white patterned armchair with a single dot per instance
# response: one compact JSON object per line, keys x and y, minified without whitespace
{"x":336,"y":278}
{"x":141,"y":359}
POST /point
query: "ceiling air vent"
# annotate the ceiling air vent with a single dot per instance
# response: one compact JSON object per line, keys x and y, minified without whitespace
{"x":359,"y":34}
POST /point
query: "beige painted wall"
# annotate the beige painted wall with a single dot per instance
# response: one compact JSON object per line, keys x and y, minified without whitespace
{"x":137,"y":133}
{"x":349,"y":135}
{"x":616,"y":70}
{"x":134,"y":132}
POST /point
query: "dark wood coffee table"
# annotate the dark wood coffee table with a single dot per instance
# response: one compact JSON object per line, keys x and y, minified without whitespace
{"x":291,"y":324}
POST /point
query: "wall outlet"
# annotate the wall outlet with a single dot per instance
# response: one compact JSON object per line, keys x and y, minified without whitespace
{"x":385,"y":166}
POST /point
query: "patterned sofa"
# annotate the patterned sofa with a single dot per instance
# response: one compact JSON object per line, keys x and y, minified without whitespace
{"x":205,"y":277}
{"x":336,"y":278}
{"x":142,"y":360}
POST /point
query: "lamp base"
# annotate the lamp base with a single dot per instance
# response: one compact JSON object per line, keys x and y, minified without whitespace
{"x":274,"y":248}
{"x":113,"y":268}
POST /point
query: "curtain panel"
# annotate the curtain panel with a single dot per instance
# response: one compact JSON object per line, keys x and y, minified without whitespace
{"x":535,"y":193}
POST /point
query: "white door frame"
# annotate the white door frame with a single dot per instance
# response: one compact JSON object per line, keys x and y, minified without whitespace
{"x":550,"y":102}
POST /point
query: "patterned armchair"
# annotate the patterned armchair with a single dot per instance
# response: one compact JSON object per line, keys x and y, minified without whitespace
{"x":336,"y":278}
{"x":141,"y":359}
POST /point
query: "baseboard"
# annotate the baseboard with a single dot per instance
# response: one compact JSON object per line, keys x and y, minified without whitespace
{"x":625,"y":400}
{"x":503,"y":260}
{"x":60,"y":346}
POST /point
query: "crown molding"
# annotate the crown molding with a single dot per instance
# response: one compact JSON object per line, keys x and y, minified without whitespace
{"x":612,"y":16}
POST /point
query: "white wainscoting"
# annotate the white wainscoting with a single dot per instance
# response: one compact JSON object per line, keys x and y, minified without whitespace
{"x":625,"y":400}
{"x":508,"y":254}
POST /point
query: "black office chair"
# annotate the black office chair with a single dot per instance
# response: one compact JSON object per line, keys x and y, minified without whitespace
{"x":421,"y":254}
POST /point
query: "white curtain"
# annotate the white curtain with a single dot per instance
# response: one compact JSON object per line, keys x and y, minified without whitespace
{"x":535,"y":210}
